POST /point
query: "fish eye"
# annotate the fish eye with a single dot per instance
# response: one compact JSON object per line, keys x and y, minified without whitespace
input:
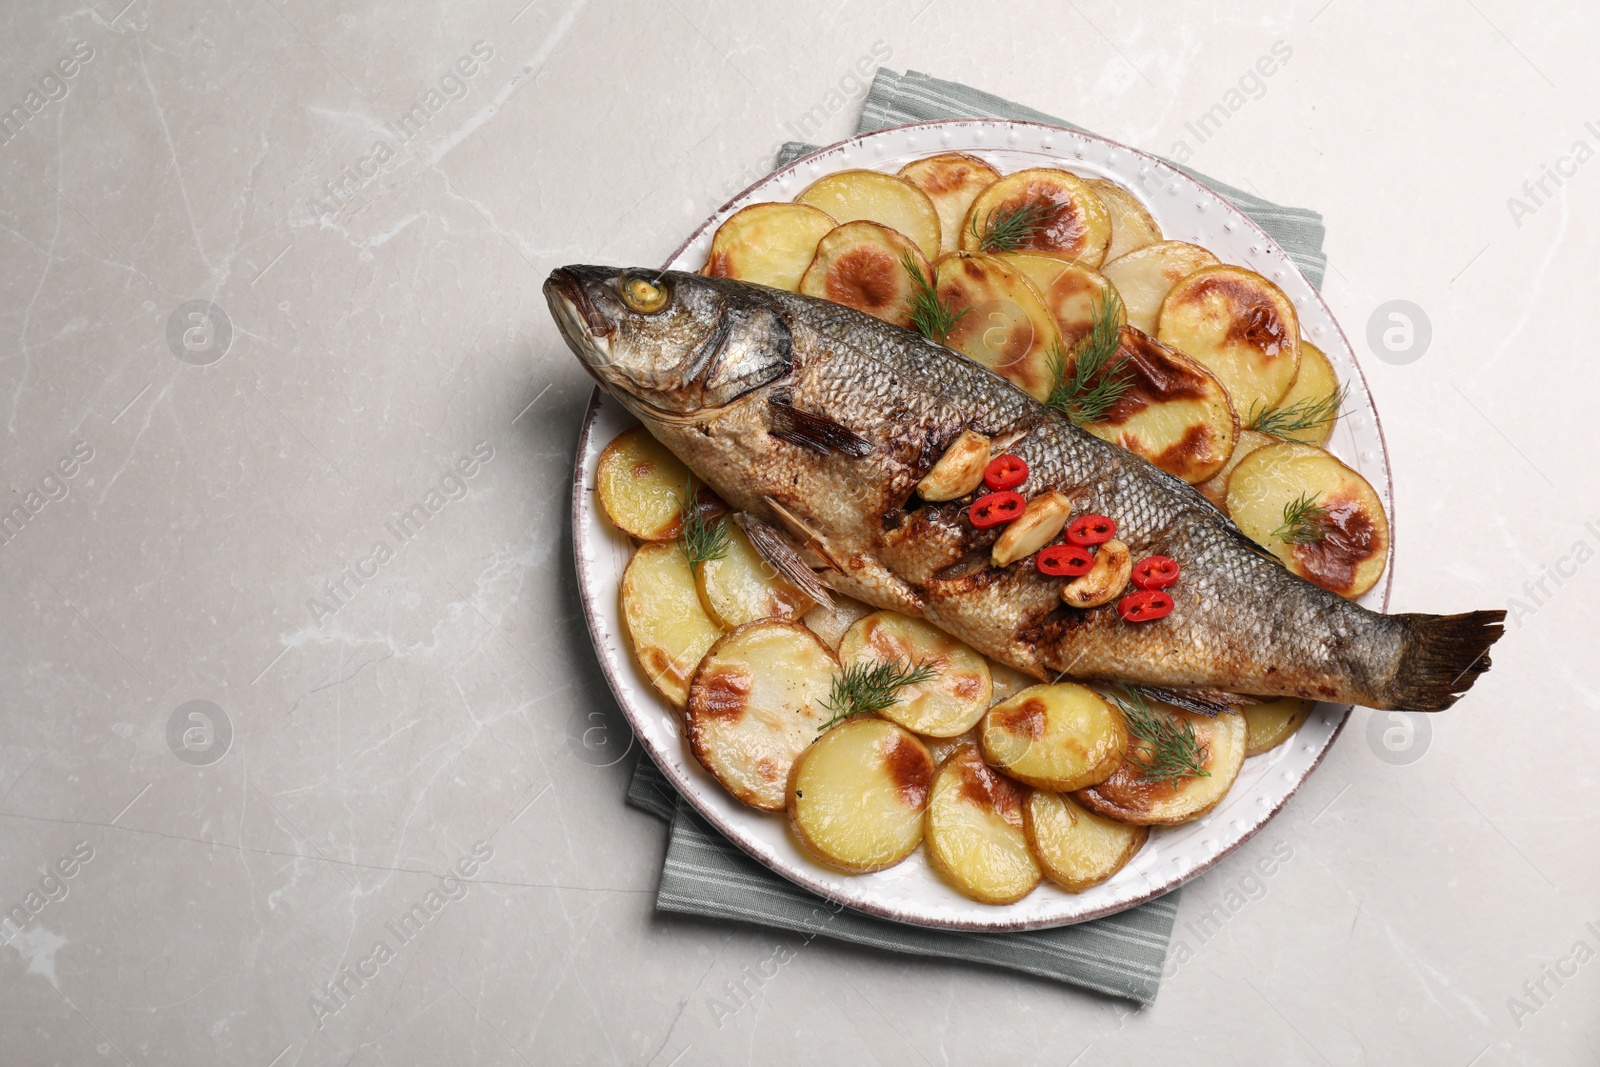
{"x":643,"y":296}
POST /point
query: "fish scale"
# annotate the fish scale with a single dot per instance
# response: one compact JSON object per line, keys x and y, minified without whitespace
{"x":820,"y":420}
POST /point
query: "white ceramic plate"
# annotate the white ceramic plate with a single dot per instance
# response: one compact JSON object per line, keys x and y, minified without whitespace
{"x":912,"y":891}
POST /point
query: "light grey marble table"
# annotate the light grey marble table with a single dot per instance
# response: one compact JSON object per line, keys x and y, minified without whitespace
{"x":291,"y":432}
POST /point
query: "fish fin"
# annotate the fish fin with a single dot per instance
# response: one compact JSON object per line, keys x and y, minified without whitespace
{"x":810,"y":540}
{"x":1210,"y":702}
{"x":776,"y":550}
{"x":816,"y":432}
{"x":1440,"y":657}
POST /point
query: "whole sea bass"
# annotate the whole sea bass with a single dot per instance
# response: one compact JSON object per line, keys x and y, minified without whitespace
{"x":818,"y":421}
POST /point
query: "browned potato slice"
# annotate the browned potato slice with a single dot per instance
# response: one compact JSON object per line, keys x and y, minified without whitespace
{"x":1036,"y":527}
{"x":1006,"y":326}
{"x":1349,"y":540}
{"x":1008,"y":681}
{"x":1144,"y":276}
{"x":742,"y":587}
{"x":1113,"y":564}
{"x":1315,"y":392}
{"x":861,"y":265}
{"x":830,"y":624}
{"x":974,"y":831}
{"x":755,"y":704}
{"x":1241,"y":327}
{"x":1128,"y":797}
{"x":1073,"y":294}
{"x":666,"y":622}
{"x":1076,"y":848}
{"x":1062,"y":736}
{"x":859,"y":794}
{"x":945,"y":705}
{"x":1074,"y":224}
{"x":640,"y":485}
{"x":770,"y":244}
{"x":851,"y":195}
{"x":1174,"y":413}
{"x":951,"y":181}
{"x":1270,"y":724}
{"x":959,"y":471}
{"x":1132,"y":227}
{"x":1215,"y":488}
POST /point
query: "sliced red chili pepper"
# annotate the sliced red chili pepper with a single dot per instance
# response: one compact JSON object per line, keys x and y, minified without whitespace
{"x":1155,"y":572}
{"x":1086,"y":530}
{"x":1144,"y":606}
{"x":1005,"y":472}
{"x":993,"y":509}
{"x":1066,"y":560}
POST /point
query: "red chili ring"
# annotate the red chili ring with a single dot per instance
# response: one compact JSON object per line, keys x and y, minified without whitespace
{"x":1087,"y":530}
{"x":1005,"y":472}
{"x":1064,"y":560}
{"x":1144,"y":606}
{"x":1155,"y":572}
{"x":993,"y":509}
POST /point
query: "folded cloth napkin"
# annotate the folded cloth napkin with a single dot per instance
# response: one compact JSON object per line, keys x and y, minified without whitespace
{"x":707,"y":875}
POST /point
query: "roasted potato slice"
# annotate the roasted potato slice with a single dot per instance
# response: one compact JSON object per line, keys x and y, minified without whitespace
{"x":1006,"y":327}
{"x":959,"y":471}
{"x":830,"y":624}
{"x":852,"y":195}
{"x":1132,"y":227}
{"x":1062,"y":736}
{"x":1144,"y":276}
{"x":947,"y":704}
{"x":1075,"y":847}
{"x":858,"y":795}
{"x":1241,"y":327}
{"x":1128,"y":797}
{"x":1069,"y":220}
{"x":742,"y":587}
{"x":1343,"y":541}
{"x":974,"y":831}
{"x":640,"y":485}
{"x":755,"y":704}
{"x":1270,"y":724}
{"x":771,"y":244}
{"x":1314,"y":396}
{"x":1174,"y":413}
{"x":951,"y":180}
{"x":1215,"y":488}
{"x":862,"y":265}
{"x":669,"y":628}
{"x":1072,"y":293}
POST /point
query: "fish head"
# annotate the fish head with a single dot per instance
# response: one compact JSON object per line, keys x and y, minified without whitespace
{"x":670,"y":343}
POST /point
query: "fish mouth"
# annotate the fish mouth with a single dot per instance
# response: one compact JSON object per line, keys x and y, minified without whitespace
{"x":585,"y":328}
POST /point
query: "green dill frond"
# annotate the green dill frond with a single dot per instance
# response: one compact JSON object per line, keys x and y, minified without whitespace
{"x":931,"y":316}
{"x":1167,"y":748}
{"x":864,"y":688}
{"x":1008,"y":230}
{"x":1304,"y":416}
{"x":1305,"y":521}
{"x":1095,"y":383}
{"x":700,"y":538}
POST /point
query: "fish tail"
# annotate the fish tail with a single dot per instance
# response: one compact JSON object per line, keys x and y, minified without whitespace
{"x":1440,"y":657}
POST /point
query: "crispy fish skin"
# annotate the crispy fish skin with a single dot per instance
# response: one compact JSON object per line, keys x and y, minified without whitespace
{"x":820,"y":420}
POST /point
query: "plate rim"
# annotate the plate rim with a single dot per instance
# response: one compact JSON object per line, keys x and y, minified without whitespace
{"x":581,"y":542}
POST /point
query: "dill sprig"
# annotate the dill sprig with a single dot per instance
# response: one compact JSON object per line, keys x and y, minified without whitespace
{"x":930,"y":315}
{"x":702,"y":539}
{"x":1006,"y":230}
{"x":1303,"y":416}
{"x":863,"y":688}
{"x":1095,"y":384}
{"x":1168,"y":748}
{"x":1305,"y":521}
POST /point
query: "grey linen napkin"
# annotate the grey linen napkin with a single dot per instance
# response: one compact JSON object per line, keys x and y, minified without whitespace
{"x":707,"y":875}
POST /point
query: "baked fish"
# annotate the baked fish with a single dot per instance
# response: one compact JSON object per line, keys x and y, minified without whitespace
{"x":816,"y":422}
